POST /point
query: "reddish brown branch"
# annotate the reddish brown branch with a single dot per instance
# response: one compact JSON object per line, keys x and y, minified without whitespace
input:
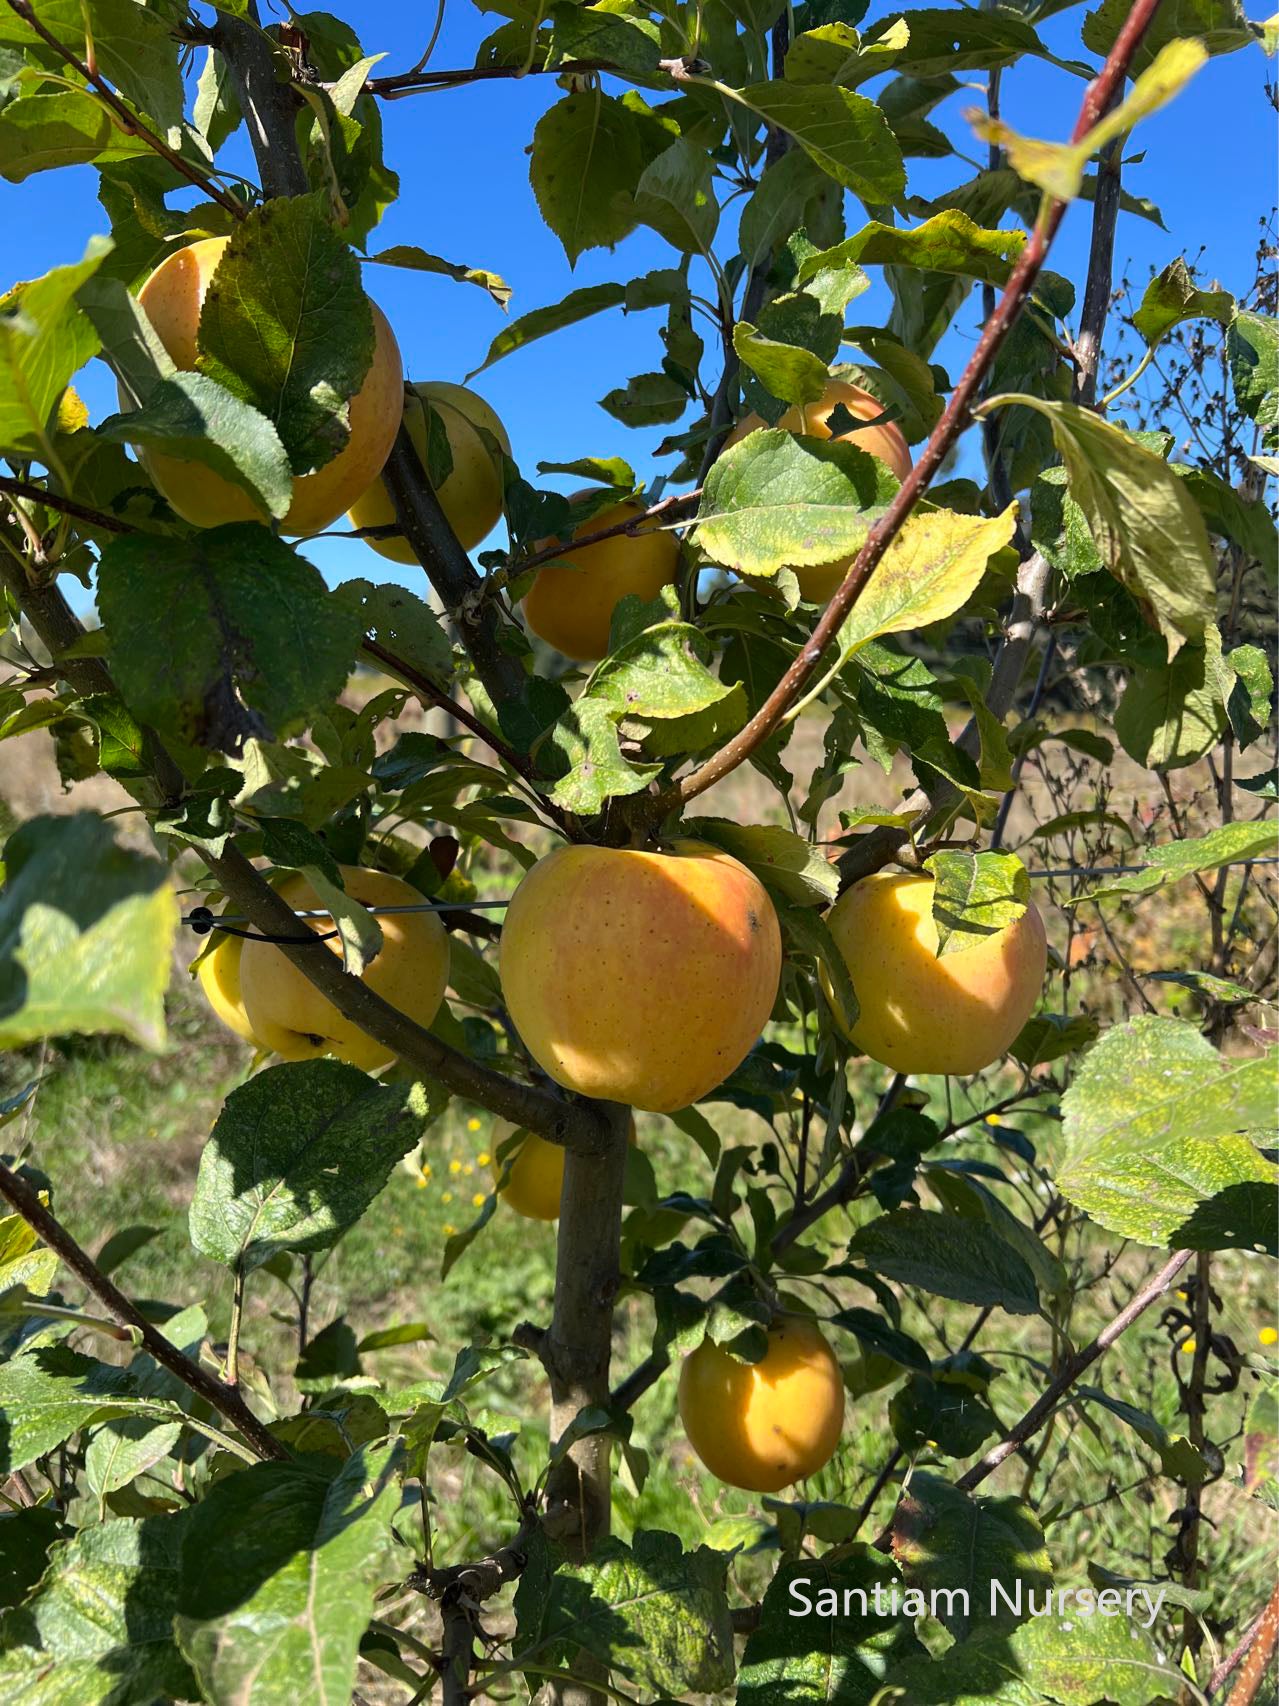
{"x":1046,"y":1404}
{"x":28,"y":490}
{"x":1256,"y":1652}
{"x":127,"y":121}
{"x":953,"y":420}
{"x":225,"y":1399}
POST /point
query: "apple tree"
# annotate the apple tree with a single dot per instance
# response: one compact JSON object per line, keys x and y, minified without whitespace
{"x":871,"y":987}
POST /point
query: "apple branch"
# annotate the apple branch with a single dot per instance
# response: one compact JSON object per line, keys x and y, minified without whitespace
{"x":127,"y":121}
{"x":224,"y":1398}
{"x":573,"y":1122}
{"x":266,"y":100}
{"x":32,"y":493}
{"x":394,"y":88}
{"x":871,"y":852}
{"x":1044,"y":1406}
{"x":954,"y":419}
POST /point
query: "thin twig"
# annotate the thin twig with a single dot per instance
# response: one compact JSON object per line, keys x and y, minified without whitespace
{"x":1046,"y":1404}
{"x":953,"y":420}
{"x":65,"y":506}
{"x":393,"y":88}
{"x":520,"y":762}
{"x":127,"y":121}
{"x":664,"y":509}
{"x":224,"y":1399}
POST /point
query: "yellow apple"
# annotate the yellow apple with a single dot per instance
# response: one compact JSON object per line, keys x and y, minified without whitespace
{"x":925,"y":1014}
{"x":764,"y":1425}
{"x":173,"y":297}
{"x":536,"y":1182}
{"x":288,"y":1014}
{"x":219,"y":974}
{"x":571,"y":602}
{"x":640,"y":977}
{"x":471,"y":496}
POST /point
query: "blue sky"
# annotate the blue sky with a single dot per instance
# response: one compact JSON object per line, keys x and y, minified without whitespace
{"x":465,"y":195}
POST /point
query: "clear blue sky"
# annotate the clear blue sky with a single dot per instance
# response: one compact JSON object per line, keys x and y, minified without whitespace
{"x":465,"y":195}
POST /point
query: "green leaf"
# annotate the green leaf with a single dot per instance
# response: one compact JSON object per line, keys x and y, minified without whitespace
{"x":930,"y":571}
{"x":1074,"y":1660}
{"x":649,"y":399}
{"x":1154,"y":1125}
{"x":949,"y":242}
{"x":1058,"y":167}
{"x":286,"y":326}
{"x":1178,"y":1459}
{"x":776,"y":206}
{"x":1203,"y":983}
{"x":195,"y":419}
{"x":402,"y":622}
{"x":1172,"y":714}
{"x":409,"y":256}
{"x":1052,"y":1036}
{"x":654,"y":1614}
{"x":1219,"y":24}
{"x":835,"y":1652}
{"x":783,"y":861}
{"x":945,"y":1539}
{"x":297,"y":1155}
{"x":107,"y":1603}
{"x":1144,"y":522}
{"x":280,"y":1563}
{"x":132,"y":45}
{"x":121,"y":1450}
{"x":1172,"y":297}
{"x":947,"y":1256}
{"x":182,"y":414}
{"x":941,"y":1415}
{"x":661,"y":678}
{"x":590,"y":153}
{"x":845,"y":134}
{"x":577,"y":305}
{"x":632,"y":44}
{"x":945,"y":39}
{"x":49,"y":1393}
{"x":1229,"y":844}
{"x":25,"y":1539}
{"x":1249,"y":700}
{"x":1241,"y":1217}
{"x":86,"y":935}
{"x":963,"y":1194}
{"x":217,"y":109}
{"x":44,"y":339}
{"x":975,"y":896}
{"x":778,"y":500}
{"x":675,"y":196}
{"x":1252,"y":347}
{"x":790,"y":373}
{"x":39,"y":133}
{"x":834,"y":53}
{"x":224,"y":634}
{"x":808,"y":931}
